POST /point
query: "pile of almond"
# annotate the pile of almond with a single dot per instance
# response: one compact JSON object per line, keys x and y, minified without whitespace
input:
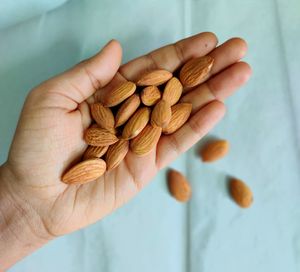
{"x":134,"y":116}
{"x":181,"y":190}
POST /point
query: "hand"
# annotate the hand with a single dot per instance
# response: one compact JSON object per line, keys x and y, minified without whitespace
{"x":56,"y":113}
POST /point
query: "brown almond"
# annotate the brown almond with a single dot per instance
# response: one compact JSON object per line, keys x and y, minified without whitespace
{"x":119,"y":94}
{"x":241,"y":193}
{"x":214,"y":150}
{"x":172,"y":91}
{"x":150,"y":95}
{"x":99,"y":137}
{"x":180,"y":114}
{"x":103,"y":116}
{"x":161,"y":114}
{"x":116,"y":153}
{"x":94,"y":152}
{"x":146,"y":140}
{"x":196,"y":71}
{"x":127,"y":109}
{"x":178,"y":185}
{"x":85,"y":171}
{"x":155,"y":78}
{"x":136,"y":123}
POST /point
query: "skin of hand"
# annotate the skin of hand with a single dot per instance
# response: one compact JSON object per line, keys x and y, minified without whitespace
{"x":35,"y":206}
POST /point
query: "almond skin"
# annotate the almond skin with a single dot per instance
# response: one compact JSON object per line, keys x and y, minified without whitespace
{"x":136,"y":123}
{"x":214,"y":150}
{"x":155,"y":78}
{"x":178,"y":185}
{"x":172,"y":91}
{"x":150,"y":95}
{"x":196,"y":71}
{"x":85,"y":171}
{"x":119,"y":94}
{"x":241,"y":193}
{"x":99,"y":137}
{"x":161,"y":114}
{"x":116,"y":153}
{"x":94,"y":152}
{"x":127,"y":109}
{"x":145,"y":141}
{"x":180,"y":114}
{"x":103,"y":116}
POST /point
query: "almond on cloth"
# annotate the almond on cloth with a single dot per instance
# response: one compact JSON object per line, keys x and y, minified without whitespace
{"x":196,"y":71}
{"x":136,"y":123}
{"x":118,"y":95}
{"x":155,"y":78}
{"x":240,"y":193}
{"x":172,"y":91}
{"x":146,"y":140}
{"x":179,"y":186}
{"x":214,"y":150}
{"x":103,"y":116}
{"x":150,"y":95}
{"x":180,"y":114}
{"x":99,"y":137}
{"x":161,"y":114}
{"x":116,"y":153}
{"x":127,"y":109}
{"x":85,"y":171}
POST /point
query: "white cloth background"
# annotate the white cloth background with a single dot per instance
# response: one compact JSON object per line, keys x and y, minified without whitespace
{"x":154,"y":232}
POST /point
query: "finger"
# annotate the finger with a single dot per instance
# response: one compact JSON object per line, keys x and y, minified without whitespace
{"x":220,"y":86}
{"x":171,"y":146}
{"x":227,"y":54}
{"x":80,"y":82}
{"x":170,"y":57}
{"x":84,"y":110}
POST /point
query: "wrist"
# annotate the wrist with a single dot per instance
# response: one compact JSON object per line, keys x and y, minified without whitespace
{"x":21,"y":229}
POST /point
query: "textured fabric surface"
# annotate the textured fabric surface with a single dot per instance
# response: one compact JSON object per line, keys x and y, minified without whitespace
{"x":17,"y":11}
{"x":153,"y":232}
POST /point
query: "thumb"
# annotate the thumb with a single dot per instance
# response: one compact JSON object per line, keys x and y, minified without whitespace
{"x":82,"y":81}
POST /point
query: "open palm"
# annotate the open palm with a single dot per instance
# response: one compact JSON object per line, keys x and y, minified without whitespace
{"x":49,"y":135}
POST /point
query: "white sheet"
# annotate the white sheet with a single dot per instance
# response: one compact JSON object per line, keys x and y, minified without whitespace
{"x":153,"y":232}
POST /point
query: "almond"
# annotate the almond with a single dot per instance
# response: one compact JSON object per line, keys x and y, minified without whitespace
{"x":172,"y":91}
{"x":180,"y":114}
{"x":127,"y":109}
{"x":146,"y":140}
{"x":178,"y":185}
{"x":150,"y":95}
{"x":99,"y":137}
{"x":196,"y":71}
{"x":155,"y":78}
{"x":214,"y":150}
{"x":116,"y":153}
{"x":136,"y":123}
{"x":103,"y":116}
{"x":85,"y":171}
{"x":241,"y":193}
{"x":119,"y":94}
{"x":94,"y":152}
{"x":161,"y":114}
